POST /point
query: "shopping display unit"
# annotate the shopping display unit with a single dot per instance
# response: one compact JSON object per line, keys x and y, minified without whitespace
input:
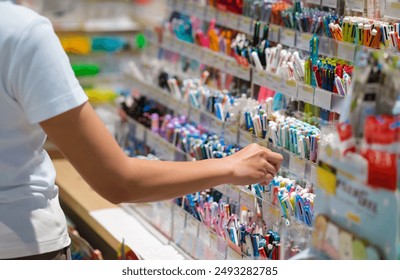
{"x":312,"y":80}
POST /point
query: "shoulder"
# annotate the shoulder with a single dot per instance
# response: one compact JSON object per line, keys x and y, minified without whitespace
{"x":15,"y":20}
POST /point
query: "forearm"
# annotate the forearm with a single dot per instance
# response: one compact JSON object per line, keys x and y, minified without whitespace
{"x":160,"y":180}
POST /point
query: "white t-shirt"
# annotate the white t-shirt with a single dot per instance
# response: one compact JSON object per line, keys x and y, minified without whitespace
{"x":36,"y":83}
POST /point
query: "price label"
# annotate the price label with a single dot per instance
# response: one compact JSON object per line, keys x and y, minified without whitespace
{"x":288,"y":37}
{"x":273,"y":34}
{"x":196,"y":52}
{"x":151,"y":36}
{"x":208,"y":57}
{"x":297,"y":165}
{"x":315,"y":2}
{"x":323,"y":98}
{"x":231,"y":133}
{"x":305,"y":93}
{"x":245,"y":138}
{"x":356,"y":5}
{"x":180,"y":5}
{"x":289,"y":88}
{"x":211,"y":13}
{"x":274,"y":82}
{"x":219,"y":61}
{"x":171,"y":3}
{"x":195,"y":115}
{"x":190,"y":8}
{"x":330,"y":3}
{"x":232,"y":254}
{"x":234,"y":21}
{"x":303,"y":41}
{"x":392,"y":10}
{"x":233,"y":68}
{"x":224,"y":18}
{"x":199,"y":11}
{"x":346,"y":51}
{"x":260,"y":78}
{"x":216,"y":125}
{"x":247,"y":200}
{"x":245,"y":24}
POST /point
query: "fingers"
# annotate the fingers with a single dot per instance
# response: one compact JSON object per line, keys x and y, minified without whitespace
{"x":267,"y":180}
{"x":270,"y":168}
{"x":274,"y":158}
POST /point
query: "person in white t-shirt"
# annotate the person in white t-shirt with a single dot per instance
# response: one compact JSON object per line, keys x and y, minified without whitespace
{"x":40,"y":97}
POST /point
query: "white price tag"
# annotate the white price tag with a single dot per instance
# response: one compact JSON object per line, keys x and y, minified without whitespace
{"x":305,"y":93}
{"x":195,"y":115}
{"x":315,"y":2}
{"x":330,"y":3}
{"x":274,"y":82}
{"x":216,"y":125}
{"x":297,"y":165}
{"x":346,"y":51}
{"x":151,"y":36}
{"x":245,"y":24}
{"x":235,"y":21}
{"x":356,"y":5}
{"x":233,"y":68}
{"x":169,"y":43}
{"x":288,"y":37}
{"x":273,"y":34}
{"x":260,"y":78}
{"x":392,"y":10}
{"x":190,"y":8}
{"x":196,"y":52}
{"x":303,"y":41}
{"x":231,"y":133}
{"x":199,"y":11}
{"x":289,"y":88}
{"x":224,"y":18}
{"x":219,"y":61}
{"x":323,"y":98}
{"x":245,"y":138}
{"x":232,"y":254}
{"x":180,"y":5}
{"x":208,"y":57}
{"x":247,"y":200}
{"x":211,"y":13}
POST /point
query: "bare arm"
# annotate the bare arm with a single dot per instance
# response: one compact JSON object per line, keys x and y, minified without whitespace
{"x":86,"y":143}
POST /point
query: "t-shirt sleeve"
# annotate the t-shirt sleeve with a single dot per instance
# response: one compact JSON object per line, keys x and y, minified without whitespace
{"x":40,"y":75}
